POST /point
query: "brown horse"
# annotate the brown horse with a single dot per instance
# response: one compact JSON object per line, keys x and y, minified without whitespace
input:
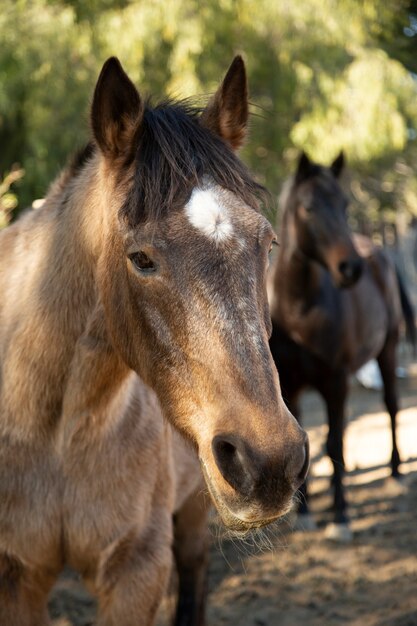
{"x":124,"y":310}
{"x":334,"y":306}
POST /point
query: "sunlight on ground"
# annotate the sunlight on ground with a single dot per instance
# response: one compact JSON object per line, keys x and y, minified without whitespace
{"x":368,"y":446}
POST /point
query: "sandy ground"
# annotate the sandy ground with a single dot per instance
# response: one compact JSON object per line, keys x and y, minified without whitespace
{"x":291,"y":578}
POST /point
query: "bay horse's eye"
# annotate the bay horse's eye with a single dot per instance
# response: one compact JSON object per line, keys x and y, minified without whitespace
{"x":274,"y":242}
{"x":142,"y":262}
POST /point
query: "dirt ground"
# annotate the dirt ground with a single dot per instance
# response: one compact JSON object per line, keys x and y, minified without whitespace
{"x":284,"y":577}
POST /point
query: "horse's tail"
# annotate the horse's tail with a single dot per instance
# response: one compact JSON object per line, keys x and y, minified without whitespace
{"x":408,"y":312}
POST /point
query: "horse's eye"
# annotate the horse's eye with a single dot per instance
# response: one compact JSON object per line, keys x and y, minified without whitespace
{"x":274,"y":242}
{"x":142,"y":262}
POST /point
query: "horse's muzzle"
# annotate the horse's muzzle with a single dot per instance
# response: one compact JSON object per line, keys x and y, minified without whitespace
{"x":247,"y":471}
{"x":254,"y":489}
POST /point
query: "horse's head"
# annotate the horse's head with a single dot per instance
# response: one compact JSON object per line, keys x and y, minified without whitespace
{"x":182,"y":281}
{"x":316,"y":208}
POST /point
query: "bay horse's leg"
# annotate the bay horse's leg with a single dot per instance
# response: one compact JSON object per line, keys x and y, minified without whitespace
{"x":387,"y":365}
{"x":191,"y":556}
{"x":334,"y":391}
{"x":133,"y":574}
{"x":23,"y":594}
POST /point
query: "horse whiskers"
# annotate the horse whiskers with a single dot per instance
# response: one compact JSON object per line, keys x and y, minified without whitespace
{"x":254,"y":541}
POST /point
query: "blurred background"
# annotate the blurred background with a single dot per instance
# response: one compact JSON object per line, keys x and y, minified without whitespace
{"x":324,"y":75}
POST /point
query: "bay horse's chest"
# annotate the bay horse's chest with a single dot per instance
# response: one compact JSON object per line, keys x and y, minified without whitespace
{"x":70,"y":501}
{"x":345,"y":328}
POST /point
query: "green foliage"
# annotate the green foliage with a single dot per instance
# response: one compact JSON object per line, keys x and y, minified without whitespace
{"x":324,"y":75}
{"x":8,"y":199}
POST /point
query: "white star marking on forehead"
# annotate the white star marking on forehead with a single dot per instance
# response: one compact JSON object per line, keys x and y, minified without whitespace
{"x":206,"y":212}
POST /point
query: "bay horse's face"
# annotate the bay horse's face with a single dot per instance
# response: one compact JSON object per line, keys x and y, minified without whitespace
{"x":182,"y":280}
{"x":320,"y":220}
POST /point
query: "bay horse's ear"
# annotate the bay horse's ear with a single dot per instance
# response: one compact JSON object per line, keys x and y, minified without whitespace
{"x":227,"y":112}
{"x":338,"y":164}
{"x":303,"y":168}
{"x":116,"y":110}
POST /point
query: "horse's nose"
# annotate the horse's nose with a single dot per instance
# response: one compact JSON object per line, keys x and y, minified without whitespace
{"x":249,"y":473}
{"x":299,"y":464}
{"x":351,"y":270}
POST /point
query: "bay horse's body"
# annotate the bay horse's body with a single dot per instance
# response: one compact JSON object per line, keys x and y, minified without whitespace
{"x":124,"y":312}
{"x":334,"y":306}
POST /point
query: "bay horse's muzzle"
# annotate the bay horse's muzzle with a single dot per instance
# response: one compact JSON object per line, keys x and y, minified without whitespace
{"x":268,"y":481}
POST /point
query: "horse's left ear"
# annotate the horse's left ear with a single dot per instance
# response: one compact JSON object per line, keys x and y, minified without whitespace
{"x":116,"y":111}
{"x":304,"y":168}
{"x":338,"y":164}
{"x":227,"y":112}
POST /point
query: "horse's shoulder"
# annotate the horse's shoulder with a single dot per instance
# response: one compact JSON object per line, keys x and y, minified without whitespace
{"x":382,"y":269}
{"x":364,"y":245}
{"x":372,"y":253}
{"x":380,"y":264}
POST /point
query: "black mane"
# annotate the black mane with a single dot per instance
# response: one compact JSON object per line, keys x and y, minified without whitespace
{"x":79,"y":159}
{"x":174,"y":153}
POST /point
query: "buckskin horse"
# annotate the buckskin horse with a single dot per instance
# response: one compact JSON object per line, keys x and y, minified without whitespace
{"x":335,"y":304}
{"x":125,"y":311}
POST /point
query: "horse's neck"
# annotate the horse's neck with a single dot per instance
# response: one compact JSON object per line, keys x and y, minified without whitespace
{"x":97,"y":388}
{"x":300,"y":305}
{"x":48,"y":308}
{"x":296,"y":281}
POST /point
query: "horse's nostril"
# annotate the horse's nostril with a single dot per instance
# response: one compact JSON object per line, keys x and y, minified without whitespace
{"x":233,"y":462}
{"x":351,"y":270}
{"x":304,"y":470}
{"x":261,"y":476}
{"x":345,"y":268}
{"x":299,"y":463}
{"x":224,"y":451}
{"x":357,"y":269}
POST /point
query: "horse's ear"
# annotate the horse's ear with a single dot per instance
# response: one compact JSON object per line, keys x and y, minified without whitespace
{"x":338,"y":164}
{"x":116,"y":110}
{"x":227,"y":112}
{"x":303,"y":168}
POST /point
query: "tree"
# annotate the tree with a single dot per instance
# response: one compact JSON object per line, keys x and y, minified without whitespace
{"x":324,"y":75}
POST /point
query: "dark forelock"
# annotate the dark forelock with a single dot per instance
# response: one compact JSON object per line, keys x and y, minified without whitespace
{"x":174,"y":153}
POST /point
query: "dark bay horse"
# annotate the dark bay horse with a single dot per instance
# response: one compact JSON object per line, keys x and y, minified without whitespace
{"x":124,"y":312}
{"x":334,"y":306}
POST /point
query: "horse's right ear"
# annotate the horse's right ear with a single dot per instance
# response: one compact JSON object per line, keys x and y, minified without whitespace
{"x":338,"y":164}
{"x":116,"y":110}
{"x":227,"y":112}
{"x":303,"y":168}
